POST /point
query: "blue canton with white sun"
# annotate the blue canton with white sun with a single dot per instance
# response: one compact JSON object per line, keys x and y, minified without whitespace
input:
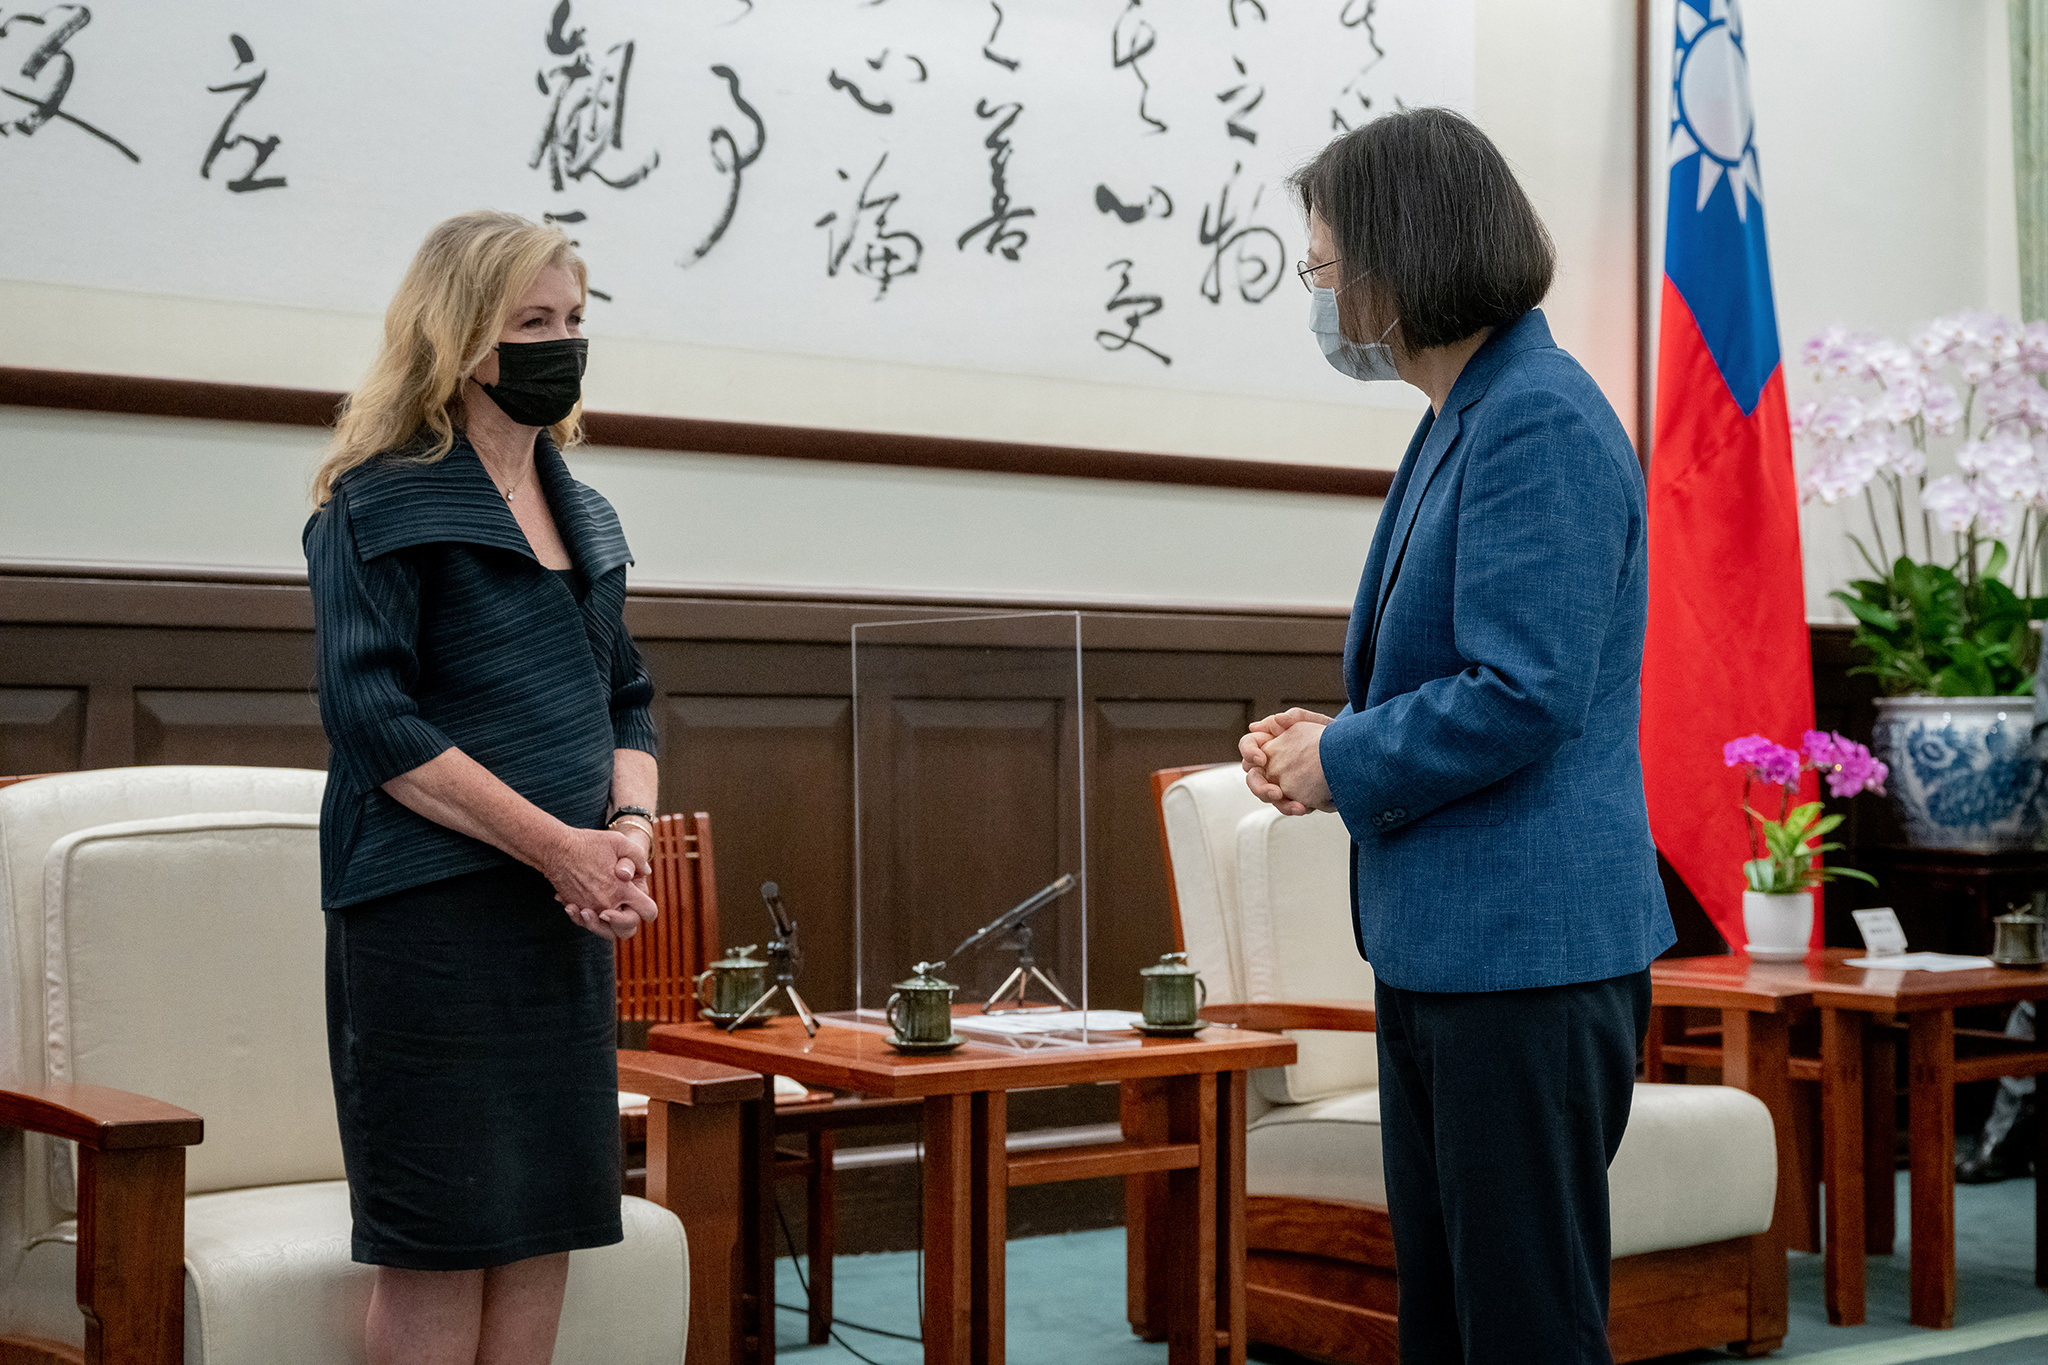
{"x":1714,"y":245}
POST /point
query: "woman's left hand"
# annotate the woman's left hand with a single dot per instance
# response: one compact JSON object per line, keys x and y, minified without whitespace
{"x":619,"y":922}
{"x":1294,"y":763}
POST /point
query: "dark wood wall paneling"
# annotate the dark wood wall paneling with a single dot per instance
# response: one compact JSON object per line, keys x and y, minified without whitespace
{"x":757,"y":728}
{"x":757,"y":725}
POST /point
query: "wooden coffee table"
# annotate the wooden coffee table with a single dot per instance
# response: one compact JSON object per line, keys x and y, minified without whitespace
{"x":1848,"y":998}
{"x":1195,"y":1096}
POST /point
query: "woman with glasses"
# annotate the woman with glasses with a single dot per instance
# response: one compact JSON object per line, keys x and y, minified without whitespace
{"x":1504,"y":885}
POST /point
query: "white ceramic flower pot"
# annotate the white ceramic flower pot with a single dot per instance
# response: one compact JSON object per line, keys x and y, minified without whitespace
{"x":1780,"y":928}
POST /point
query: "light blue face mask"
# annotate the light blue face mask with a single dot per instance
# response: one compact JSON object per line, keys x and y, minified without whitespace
{"x":1359,"y":359}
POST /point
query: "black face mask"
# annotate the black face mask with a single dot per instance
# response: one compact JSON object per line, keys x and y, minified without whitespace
{"x":539,"y":381}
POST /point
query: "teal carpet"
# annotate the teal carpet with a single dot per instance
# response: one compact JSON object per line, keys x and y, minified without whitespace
{"x":1066,"y":1301}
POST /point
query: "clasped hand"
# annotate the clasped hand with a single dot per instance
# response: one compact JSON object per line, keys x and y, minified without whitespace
{"x":1283,"y":761}
{"x":600,"y":877}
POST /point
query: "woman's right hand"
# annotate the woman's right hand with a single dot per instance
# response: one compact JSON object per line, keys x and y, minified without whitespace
{"x":1251,"y":753}
{"x":600,"y":869}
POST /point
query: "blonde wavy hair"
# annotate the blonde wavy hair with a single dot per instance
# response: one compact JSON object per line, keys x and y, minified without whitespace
{"x":461,"y":288}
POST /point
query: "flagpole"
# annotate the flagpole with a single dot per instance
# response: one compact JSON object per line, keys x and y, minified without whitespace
{"x":1648,"y":277}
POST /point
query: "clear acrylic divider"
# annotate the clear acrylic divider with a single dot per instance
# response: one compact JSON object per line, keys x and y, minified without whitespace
{"x":969,"y":733}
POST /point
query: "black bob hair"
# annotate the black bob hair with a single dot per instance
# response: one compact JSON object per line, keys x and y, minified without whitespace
{"x":1430,"y":226}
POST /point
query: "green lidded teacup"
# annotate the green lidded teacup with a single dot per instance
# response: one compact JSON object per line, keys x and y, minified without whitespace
{"x":1174,"y":993}
{"x":737,"y":980}
{"x":921,"y":1010}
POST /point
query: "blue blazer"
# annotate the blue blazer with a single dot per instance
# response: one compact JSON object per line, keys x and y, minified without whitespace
{"x":1487,"y":764}
{"x":435,"y":627}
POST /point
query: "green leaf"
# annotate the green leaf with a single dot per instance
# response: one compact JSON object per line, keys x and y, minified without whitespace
{"x":1868,"y":614}
{"x":1996,"y":565}
{"x":1861,"y":876}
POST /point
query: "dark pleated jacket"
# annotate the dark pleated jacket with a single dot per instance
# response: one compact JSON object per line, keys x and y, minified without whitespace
{"x":437,"y":628}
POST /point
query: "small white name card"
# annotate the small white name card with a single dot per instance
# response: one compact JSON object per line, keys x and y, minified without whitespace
{"x":1881,"y":932}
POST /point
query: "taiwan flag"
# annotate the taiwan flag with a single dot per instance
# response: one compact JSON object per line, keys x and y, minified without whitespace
{"x":1727,"y":652}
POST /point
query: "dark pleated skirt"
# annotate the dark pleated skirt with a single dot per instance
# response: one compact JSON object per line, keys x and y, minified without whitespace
{"x":473,"y":1032}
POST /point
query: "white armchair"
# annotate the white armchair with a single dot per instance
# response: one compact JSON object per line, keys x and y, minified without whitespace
{"x":162,"y":936}
{"x":1262,"y":905}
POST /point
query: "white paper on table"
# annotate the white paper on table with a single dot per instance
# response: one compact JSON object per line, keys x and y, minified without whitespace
{"x":1923,"y":962}
{"x":1056,"y":1021}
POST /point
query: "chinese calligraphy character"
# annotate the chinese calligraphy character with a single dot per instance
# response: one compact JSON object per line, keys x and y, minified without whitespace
{"x":1001,"y":236}
{"x":261,"y":146}
{"x":988,"y":49}
{"x":880,"y":105}
{"x":1107,"y":202}
{"x":730,"y":160}
{"x":1137,"y":307}
{"x":1241,"y":104}
{"x":885,"y":255}
{"x":1357,"y":14}
{"x":1132,"y":38}
{"x":587,"y":113}
{"x":1258,"y":256}
{"x":48,"y":33}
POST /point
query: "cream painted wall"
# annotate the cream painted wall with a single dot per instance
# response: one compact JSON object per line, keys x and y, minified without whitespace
{"x":1884,"y":128}
{"x":705,"y":520}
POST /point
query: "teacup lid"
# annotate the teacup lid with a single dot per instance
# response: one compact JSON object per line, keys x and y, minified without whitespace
{"x":1171,"y":964}
{"x":738,"y":958}
{"x":2018,"y":914}
{"x":922,"y":979}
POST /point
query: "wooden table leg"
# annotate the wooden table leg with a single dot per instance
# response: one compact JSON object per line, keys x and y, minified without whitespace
{"x":989,"y":1195}
{"x":1842,"y":1154}
{"x":701,"y":1166}
{"x":1803,"y":1232}
{"x":1667,"y":1025}
{"x":1230,"y":1230}
{"x":948,"y":1229}
{"x":1146,"y":1255}
{"x":1931,"y":1103}
{"x":1880,"y":1141}
{"x":1753,"y":1058}
{"x":820,"y":1228}
{"x":1191,"y":1217}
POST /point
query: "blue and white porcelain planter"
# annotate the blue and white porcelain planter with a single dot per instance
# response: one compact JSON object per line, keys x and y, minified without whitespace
{"x":1964,"y":773}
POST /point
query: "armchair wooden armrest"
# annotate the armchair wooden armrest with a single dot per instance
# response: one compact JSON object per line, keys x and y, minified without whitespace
{"x":710,"y":1160}
{"x":1274,"y":1016}
{"x":99,"y":1118}
{"x":131,"y":1218}
{"x":686,"y":1080}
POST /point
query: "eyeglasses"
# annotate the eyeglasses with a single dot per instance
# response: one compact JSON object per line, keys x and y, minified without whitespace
{"x":1307,"y":271}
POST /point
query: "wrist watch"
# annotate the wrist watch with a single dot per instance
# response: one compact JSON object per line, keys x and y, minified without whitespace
{"x":638,"y":816}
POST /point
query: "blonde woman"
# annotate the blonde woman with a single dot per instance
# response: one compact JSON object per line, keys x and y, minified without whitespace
{"x":488,"y":811}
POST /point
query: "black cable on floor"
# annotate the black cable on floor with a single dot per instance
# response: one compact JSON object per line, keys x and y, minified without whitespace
{"x":804,"y":1283}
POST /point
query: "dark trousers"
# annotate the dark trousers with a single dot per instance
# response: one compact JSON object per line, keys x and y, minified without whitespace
{"x":1499,"y":1112}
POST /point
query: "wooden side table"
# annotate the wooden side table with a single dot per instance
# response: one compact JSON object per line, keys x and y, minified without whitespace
{"x":1856,"y":1129}
{"x":1848,"y":997}
{"x":968,"y":1170}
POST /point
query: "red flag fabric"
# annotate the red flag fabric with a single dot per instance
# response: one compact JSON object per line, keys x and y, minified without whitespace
{"x":1727,"y":651}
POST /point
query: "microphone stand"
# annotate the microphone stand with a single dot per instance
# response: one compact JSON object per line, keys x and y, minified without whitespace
{"x":1015,"y":927}
{"x":784,"y":957}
